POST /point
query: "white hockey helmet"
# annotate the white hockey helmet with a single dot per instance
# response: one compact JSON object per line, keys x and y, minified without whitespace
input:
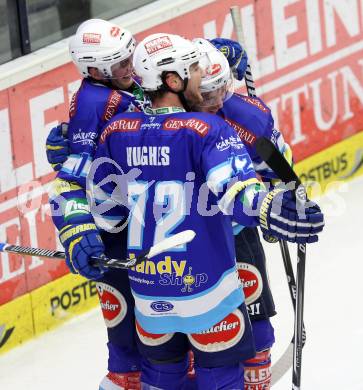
{"x":160,"y":53}
{"x":100,"y":44}
{"x":217,"y":72}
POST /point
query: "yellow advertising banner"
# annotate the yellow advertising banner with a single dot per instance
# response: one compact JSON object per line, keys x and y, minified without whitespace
{"x":338,"y":163}
{"x":16,"y":322}
{"x":45,"y":308}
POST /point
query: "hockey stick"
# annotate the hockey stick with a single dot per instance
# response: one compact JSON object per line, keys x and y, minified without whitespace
{"x":237,"y":24}
{"x":284,"y":362}
{"x":282,"y":365}
{"x":163,"y":246}
{"x":271,"y":155}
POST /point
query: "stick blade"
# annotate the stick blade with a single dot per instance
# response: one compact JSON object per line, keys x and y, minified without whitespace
{"x":171,"y":242}
{"x":283,"y":365}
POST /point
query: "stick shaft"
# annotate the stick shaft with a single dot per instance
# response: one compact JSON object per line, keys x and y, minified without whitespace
{"x":163,"y":246}
{"x":299,"y":315}
{"x":39,"y":252}
{"x":270,"y":154}
{"x":237,"y":23}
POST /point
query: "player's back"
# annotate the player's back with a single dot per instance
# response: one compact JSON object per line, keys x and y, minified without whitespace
{"x":251,"y":119}
{"x":182,"y":176}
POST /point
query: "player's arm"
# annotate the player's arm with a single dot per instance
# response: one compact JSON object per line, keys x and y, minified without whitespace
{"x":229,"y":173}
{"x":78,"y":232}
{"x":269,"y":131}
{"x":68,"y":194}
{"x":230,"y":176}
{"x":70,"y":209}
{"x":107,"y":190}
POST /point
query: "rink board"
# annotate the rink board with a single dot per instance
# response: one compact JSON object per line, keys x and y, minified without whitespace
{"x":311,"y":80}
{"x":338,"y":163}
{"x":56,"y":302}
{"x":44,"y":309}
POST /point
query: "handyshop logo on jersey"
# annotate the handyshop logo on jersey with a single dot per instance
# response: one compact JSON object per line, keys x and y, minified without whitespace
{"x":251,"y":281}
{"x":5,"y":334}
{"x":70,"y":298}
{"x":113,"y":304}
{"x":221,"y":336}
{"x":171,"y":273}
{"x":190,"y":281}
{"x":152,"y":339}
{"x":75,"y":207}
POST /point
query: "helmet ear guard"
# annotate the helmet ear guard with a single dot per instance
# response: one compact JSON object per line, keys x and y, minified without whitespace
{"x":100,"y":44}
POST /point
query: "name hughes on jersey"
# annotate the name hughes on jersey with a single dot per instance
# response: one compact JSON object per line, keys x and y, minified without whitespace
{"x":148,"y":155}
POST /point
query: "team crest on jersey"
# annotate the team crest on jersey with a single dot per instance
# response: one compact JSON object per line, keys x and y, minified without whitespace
{"x":221,"y":336}
{"x":113,"y":304}
{"x":157,"y":44}
{"x":251,"y":280}
{"x":152,"y":339}
{"x":91,"y":38}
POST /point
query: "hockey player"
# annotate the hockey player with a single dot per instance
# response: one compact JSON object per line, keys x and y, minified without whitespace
{"x":102,"y":53}
{"x":107,"y":89}
{"x":250,"y":118}
{"x":178,"y":178}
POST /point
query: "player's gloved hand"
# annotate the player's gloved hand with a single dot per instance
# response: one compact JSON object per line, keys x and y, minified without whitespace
{"x":57,"y":146}
{"x":81,"y":242}
{"x":282,"y":217}
{"x":235,"y":54}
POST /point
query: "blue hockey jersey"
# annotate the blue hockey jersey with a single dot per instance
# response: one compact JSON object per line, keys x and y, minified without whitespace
{"x":171,"y":173}
{"x":251,"y":119}
{"x":92,"y":106}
